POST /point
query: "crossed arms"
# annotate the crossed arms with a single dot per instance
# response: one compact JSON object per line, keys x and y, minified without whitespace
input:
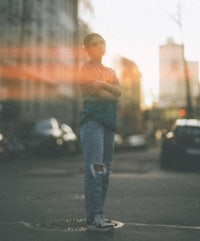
{"x":106,"y":91}
{"x":95,"y":88}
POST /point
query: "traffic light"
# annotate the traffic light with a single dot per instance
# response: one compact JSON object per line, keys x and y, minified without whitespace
{"x":182,"y":112}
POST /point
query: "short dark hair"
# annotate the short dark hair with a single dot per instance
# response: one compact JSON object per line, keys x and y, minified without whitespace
{"x":89,"y":37}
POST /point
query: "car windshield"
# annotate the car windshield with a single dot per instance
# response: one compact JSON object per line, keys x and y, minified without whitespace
{"x":187,"y":131}
{"x":46,"y":125}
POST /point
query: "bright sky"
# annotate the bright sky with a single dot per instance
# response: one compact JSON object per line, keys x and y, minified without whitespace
{"x":135,"y":29}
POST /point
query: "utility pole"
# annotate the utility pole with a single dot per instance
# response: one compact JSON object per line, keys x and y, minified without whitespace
{"x":189,"y":109}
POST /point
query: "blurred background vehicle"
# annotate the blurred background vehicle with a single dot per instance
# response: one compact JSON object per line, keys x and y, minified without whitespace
{"x":180,"y":146}
{"x":10,"y":146}
{"x":70,"y":139}
{"x":3,"y":147}
{"x":42,"y":137}
{"x":118,"y":142}
{"x":138,"y":141}
{"x":47,"y":137}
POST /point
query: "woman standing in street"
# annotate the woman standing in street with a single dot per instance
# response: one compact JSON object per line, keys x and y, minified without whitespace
{"x":101,"y":90}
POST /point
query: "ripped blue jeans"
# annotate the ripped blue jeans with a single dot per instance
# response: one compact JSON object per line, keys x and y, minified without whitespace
{"x":97,"y":143}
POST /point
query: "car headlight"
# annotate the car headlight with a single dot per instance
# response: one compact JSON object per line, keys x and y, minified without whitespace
{"x":69,"y":137}
{"x":170,"y":135}
{"x":59,"y":141}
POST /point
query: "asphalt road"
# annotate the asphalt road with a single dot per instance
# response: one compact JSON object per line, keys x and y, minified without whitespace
{"x":42,"y":200}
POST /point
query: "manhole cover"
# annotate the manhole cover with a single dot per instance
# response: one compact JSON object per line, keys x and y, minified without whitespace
{"x":62,"y":225}
{"x":67,"y":225}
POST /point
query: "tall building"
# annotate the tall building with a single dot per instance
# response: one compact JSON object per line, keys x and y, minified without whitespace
{"x":172,"y":83}
{"x":38,"y":59}
{"x":130,"y":101}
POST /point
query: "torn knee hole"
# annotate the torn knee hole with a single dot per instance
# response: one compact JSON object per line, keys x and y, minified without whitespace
{"x":98,"y":169}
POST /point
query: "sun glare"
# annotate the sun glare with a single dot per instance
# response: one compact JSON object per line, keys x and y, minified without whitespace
{"x":140,"y":32}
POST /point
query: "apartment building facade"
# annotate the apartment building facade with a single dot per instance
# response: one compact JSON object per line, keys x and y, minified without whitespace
{"x":173,"y":89}
{"x":38,"y":59}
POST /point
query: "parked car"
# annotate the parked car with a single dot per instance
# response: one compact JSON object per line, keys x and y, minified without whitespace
{"x":48,"y":137}
{"x":138,"y":141}
{"x":42,"y":137}
{"x":118,"y":142}
{"x":180,"y":146}
{"x":10,"y":145}
{"x":3,"y":147}
{"x":70,"y":139}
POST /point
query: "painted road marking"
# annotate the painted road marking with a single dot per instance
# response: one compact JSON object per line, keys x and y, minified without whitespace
{"x":164,"y":226}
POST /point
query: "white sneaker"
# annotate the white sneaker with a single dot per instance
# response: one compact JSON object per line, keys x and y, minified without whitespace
{"x":99,"y":224}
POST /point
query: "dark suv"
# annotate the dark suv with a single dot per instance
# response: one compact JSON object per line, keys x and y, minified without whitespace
{"x":181,"y":145}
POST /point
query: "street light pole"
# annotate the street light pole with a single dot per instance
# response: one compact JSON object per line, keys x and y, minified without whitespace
{"x":189,"y":109}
